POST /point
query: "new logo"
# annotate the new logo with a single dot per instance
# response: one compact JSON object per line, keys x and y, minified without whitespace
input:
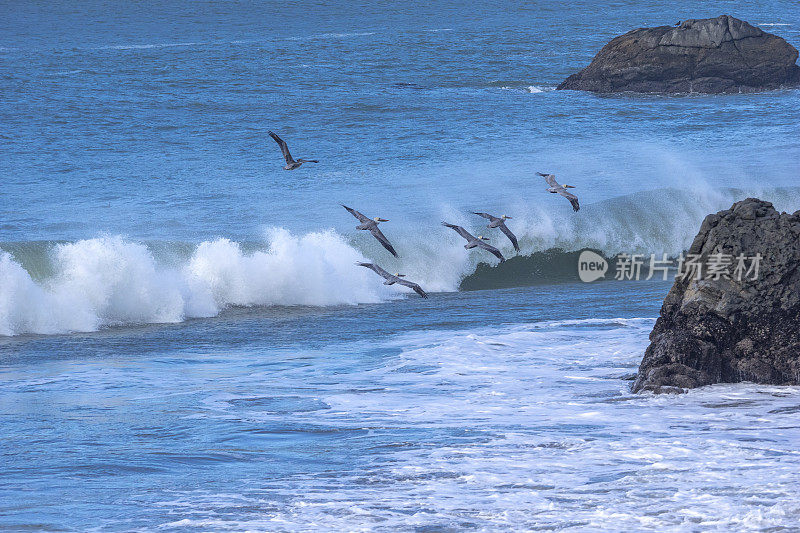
{"x":591,"y":266}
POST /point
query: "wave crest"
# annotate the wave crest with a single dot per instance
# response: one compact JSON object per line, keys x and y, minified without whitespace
{"x":111,"y":281}
{"x":89,"y":284}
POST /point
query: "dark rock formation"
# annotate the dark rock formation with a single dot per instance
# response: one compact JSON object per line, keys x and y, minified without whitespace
{"x":718,"y":55}
{"x":727,"y":330}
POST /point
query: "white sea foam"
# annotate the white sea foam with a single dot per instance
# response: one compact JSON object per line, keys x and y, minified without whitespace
{"x":536,"y":89}
{"x":343,"y":35}
{"x":526,"y":427}
{"x":531,"y":89}
{"x":146,"y":46}
{"x":114,"y":281}
{"x":315,"y":269}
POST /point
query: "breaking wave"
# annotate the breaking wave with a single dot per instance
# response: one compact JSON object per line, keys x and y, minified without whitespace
{"x":110,"y":281}
{"x":59,"y":287}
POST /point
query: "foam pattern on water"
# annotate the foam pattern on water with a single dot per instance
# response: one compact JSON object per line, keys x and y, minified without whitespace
{"x":529,"y":427}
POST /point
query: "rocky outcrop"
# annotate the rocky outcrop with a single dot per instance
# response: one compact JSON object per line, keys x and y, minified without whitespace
{"x":717,"y":55}
{"x":727,"y":330}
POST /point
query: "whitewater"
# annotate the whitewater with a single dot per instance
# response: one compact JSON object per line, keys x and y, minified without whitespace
{"x":81,"y":286}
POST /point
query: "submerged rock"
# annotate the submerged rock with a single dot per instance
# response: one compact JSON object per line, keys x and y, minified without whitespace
{"x":716,"y":55}
{"x":722,"y":329}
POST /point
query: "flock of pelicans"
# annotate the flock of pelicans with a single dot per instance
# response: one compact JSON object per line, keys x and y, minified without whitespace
{"x":371,"y":224}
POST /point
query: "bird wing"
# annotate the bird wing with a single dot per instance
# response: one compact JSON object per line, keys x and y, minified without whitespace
{"x":511,"y":236}
{"x":550,"y":179}
{"x":284,"y":149}
{"x":461,"y":231}
{"x":412,"y":285}
{"x":375,"y":268}
{"x":492,"y":249}
{"x":484,"y":215}
{"x":378,"y":234}
{"x":356,"y":214}
{"x":572,"y":199}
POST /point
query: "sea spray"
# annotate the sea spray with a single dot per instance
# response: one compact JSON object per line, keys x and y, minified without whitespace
{"x":313,"y":269}
{"x":106,"y":281}
{"x":111,"y":281}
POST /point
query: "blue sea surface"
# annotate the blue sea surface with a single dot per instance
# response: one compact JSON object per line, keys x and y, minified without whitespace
{"x":186,"y":343}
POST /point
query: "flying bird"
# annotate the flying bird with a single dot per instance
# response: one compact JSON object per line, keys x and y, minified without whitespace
{"x":371,"y":224}
{"x":473,"y":241}
{"x":291,"y":163}
{"x":391,"y":279}
{"x":500,"y":222}
{"x":555,"y":188}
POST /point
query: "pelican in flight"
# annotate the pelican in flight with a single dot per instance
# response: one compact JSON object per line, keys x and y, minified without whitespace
{"x":500,"y":222}
{"x":291,"y":163}
{"x":371,"y":224}
{"x":391,"y":279}
{"x":561,"y":189}
{"x":473,"y":241}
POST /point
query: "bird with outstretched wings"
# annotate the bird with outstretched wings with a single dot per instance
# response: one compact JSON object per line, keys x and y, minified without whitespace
{"x":391,"y":279}
{"x":371,"y":225}
{"x":473,"y":241}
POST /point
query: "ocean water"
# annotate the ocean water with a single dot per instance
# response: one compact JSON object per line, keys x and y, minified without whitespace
{"x":186,"y":342}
